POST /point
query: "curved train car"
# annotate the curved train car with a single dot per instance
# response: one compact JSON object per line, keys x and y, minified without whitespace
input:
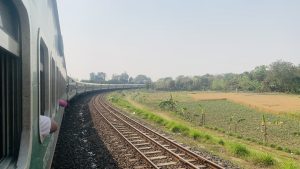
{"x":76,"y":88}
{"x":33,"y":78}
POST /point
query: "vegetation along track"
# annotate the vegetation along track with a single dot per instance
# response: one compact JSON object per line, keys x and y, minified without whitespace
{"x":156,"y":150}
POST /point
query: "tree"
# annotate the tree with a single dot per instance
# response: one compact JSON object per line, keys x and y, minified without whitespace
{"x":218,"y":84}
{"x":92,"y":77}
{"x":165,"y":84}
{"x":142,"y":79}
{"x":124,"y":77}
{"x":183,"y":83}
{"x":97,"y":78}
{"x":282,"y":76}
{"x":100,"y":77}
{"x":259,"y":73}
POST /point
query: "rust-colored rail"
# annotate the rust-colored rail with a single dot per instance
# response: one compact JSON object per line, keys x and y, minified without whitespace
{"x":158,"y":151}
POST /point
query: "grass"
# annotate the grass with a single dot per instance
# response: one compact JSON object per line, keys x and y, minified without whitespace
{"x":238,"y":150}
{"x":282,"y":129}
{"x":263,"y":159}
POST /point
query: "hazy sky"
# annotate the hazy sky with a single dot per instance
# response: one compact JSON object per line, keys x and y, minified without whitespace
{"x":162,"y":38}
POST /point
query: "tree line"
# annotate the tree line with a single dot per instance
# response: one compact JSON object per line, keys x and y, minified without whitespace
{"x":279,"y":76}
{"x":123,"y":78}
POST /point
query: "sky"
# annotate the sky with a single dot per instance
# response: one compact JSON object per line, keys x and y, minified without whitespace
{"x":168,"y":38}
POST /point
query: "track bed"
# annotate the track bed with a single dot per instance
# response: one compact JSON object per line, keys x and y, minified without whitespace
{"x":79,"y":145}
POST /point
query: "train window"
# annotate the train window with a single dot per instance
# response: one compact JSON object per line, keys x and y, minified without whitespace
{"x":8,"y":23}
{"x":10,"y":106}
{"x":57,"y":88}
{"x":44,"y":79}
{"x":53,"y":86}
{"x":10,"y":85}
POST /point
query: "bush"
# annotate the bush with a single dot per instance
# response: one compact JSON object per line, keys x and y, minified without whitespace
{"x":240,"y":150}
{"x":287,"y":150}
{"x":196,"y":135}
{"x":263,"y":160}
{"x":239,"y":137}
{"x":279,"y":148}
{"x":207,"y":137}
{"x":221,"y":142}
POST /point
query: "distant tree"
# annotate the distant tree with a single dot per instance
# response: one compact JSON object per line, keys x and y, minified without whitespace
{"x":206,"y":81}
{"x":124,"y":78}
{"x":279,"y":76}
{"x":282,"y":77}
{"x":259,"y":73}
{"x":92,"y":77}
{"x":231,"y":81}
{"x":115,"y":78}
{"x":130,"y":80}
{"x":183,"y":83}
{"x":196,"y":83}
{"x":165,"y":84}
{"x":97,"y":78}
{"x":218,"y":84}
{"x":142,"y":79}
{"x":100,"y":77}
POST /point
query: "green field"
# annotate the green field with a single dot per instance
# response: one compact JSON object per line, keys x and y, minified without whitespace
{"x":221,"y":125}
{"x":283,"y":131}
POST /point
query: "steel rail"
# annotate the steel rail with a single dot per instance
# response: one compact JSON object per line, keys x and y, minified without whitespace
{"x":205,"y":161}
{"x":148,"y":160}
{"x":182,"y":160}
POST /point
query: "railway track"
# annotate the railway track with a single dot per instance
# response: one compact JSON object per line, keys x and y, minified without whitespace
{"x":157,"y":150}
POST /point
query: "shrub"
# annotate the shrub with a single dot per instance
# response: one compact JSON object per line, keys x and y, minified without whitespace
{"x":196,"y":135}
{"x":207,"y":137}
{"x":240,"y":150}
{"x":221,"y":142}
{"x":279,"y":148}
{"x":263,"y":160}
{"x":287,"y":150}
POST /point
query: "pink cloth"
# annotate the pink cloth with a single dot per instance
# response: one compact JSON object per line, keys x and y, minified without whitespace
{"x":63,"y":103}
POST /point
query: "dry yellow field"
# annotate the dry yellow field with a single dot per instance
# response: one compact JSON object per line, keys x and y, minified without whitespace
{"x":280,"y":103}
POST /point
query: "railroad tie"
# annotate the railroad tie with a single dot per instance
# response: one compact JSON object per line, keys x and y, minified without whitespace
{"x":201,"y":166}
{"x":145,"y":148}
{"x":158,"y":157}
{"x":191,"y":160}
{"x":140,"y":167}
{"x":166,"y":164}
{"x":133,"y":160}
{"x":136,"y":137}
{"x":133,"y":141}
{"x":151,"y":152}
{"x":142,"y":144}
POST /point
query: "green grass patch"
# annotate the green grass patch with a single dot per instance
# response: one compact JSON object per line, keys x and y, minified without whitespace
{"x":289,"y":165}
{"x":239,"y":150}
{"x":262,"y":159}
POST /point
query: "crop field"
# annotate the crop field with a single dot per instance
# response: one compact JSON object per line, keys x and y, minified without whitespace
{"x":229,"y":129}
{"x":230,"y":117}
{"x":281,"y":103}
